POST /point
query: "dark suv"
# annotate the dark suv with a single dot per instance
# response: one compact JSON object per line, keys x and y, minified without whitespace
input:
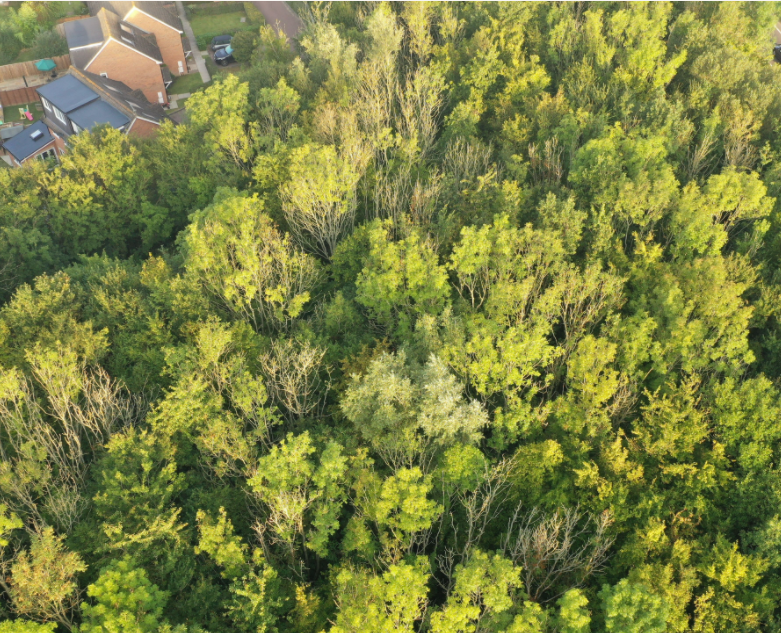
{"x":220,"y":42}
{"x":224,"y":56}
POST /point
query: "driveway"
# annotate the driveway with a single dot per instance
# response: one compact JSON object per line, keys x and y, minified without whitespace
{"x":188,"y":30}
{"x":281,"y":16}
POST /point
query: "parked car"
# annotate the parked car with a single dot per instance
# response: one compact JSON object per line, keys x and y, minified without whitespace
{"x":221,"y":41}
{"x":224,"y":56}
{"x":777,"y":53}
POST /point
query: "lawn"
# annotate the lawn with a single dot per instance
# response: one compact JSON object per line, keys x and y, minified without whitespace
{"x":186,"y":83}
{"x":222,"y":23}
{"x":214,"y":69}
{"x":11,"y":113}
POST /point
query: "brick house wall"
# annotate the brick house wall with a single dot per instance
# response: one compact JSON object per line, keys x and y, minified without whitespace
{"x":143,"y":129}
{"x":169,"y":40}
{"x":132,"y":68}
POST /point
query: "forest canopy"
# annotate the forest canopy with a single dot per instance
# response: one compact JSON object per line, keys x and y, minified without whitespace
{"x":452,"y":318}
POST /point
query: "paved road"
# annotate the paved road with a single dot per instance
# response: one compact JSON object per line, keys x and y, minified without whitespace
{"x":280,"y":15}
{"x":193,"y":44}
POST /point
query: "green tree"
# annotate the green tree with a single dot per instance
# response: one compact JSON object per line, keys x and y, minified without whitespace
{"x":243,"y":45}
{"x":49,"y":44}
{"x":406,"y":412}
{"x":43,"y":580}
{"x":401,"y":280}
{"x":239,"y":256}
{"x":629,"y":607}
{"x":303,"y":497}
{"x":394,"y":601}
{"x":482,"y":597}
{"x":124,"y":599}
{"x":220,"y":113}
{"x":24,"y":626}
{"x":320,"y":198}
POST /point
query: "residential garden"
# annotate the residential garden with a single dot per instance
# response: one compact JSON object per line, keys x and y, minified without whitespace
{"x":210,"y":19}
{"x":27,"y":30}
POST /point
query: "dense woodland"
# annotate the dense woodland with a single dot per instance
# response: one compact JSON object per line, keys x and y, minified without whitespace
{"x":462,"y":317}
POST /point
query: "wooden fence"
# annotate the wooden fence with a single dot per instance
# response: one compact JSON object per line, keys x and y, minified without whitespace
{"x":18,"y":97}
{"x":19,"y":70}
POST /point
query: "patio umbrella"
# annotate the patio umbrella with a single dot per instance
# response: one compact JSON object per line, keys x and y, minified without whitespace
{"x":45,"y":65}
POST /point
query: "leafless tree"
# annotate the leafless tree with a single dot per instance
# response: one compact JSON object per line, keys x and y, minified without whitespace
{"x":480,"y":507}
{"x":320,"y":199}
{"x":559,"y":551}
{"x":293,"y":372}
{"x":546,"y":162}
{"x":742,"y":128}
{"x":700,"y":156}
{"x":465,"y":161}
{"x":49,"y":441}
{"x":420,"y":104}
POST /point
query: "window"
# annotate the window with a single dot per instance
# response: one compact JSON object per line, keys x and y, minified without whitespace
{"x":59,"y":115}
{"x":76,"y":128}
{"x":128,"y":40}
{"x":125,"y":28}
{"x":49,"y":153}
{"x":45,"y":104}
{"x":104,"y":75}
{"x":181,"y":68}
{"x":160,"y":97}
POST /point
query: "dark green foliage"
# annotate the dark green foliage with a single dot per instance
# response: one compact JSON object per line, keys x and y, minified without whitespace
{"x":49,"y":44}
{"x":243,"y":45}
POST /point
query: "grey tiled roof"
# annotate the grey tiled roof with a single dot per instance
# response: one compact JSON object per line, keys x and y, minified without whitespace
{"x":97,"y":113}
{"x":23,"y":146}
{"x":91,"y":100}
{"x":132,"y":102}
{"x":158,"y":10}
{"x":126,"y":33}
{"x":67,"y":93}
{"x":83,"y":32}
{"x":91,"y":32}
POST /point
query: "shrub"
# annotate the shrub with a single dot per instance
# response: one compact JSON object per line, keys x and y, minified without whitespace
{"x":9,"y":47}
{"x":253,"y":15}
{"x":243,"y":44}
{"x":213,"y":8}
{"x":49,"y":44}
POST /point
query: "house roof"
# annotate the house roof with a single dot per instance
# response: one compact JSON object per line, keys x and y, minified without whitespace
{"x":23,"y":145}
{"x":157,"y":10}
{"x":99,"y":100}
{"x":125,"y":32}
{"x":98,"y":113}
{"x":67,"y":93}
{"x":85,"y":35}
{"x":84,"y":32}
{"x":132,"y":102}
